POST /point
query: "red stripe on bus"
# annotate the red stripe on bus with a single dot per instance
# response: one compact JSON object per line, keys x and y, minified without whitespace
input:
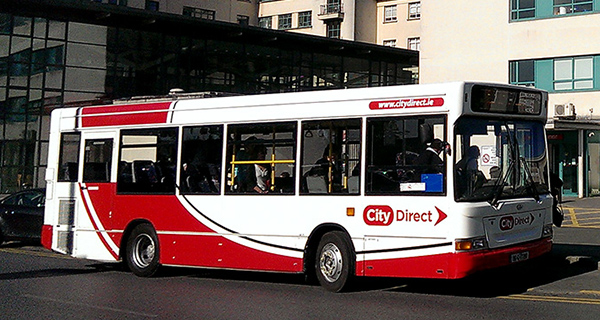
{"x":98,"y":231}
{"x":407,"y":103}
{"x":183,"y":239}
{"x":451,"y":265}
{"x":120,"y":115}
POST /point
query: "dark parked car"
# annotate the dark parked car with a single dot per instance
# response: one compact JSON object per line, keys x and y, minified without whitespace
{"x":22,"y":215}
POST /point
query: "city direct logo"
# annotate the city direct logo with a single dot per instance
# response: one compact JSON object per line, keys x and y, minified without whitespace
{"x":407,"y":103}
{"x":385,"y":215}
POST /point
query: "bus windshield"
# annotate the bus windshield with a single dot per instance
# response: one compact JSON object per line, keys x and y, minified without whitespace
{"x":499,"y":159}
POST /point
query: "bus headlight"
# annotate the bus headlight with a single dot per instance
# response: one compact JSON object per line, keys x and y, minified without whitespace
{"x":471,"y":244}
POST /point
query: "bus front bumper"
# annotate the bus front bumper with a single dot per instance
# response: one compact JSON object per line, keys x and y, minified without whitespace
{"x":463,"y":264}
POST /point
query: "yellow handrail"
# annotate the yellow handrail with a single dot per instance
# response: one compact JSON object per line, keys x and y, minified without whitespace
{"x":262,"y":161}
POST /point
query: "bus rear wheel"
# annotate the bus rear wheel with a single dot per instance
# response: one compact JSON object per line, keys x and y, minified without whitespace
{"x":143,"y":251}
{"x":333,"y":265}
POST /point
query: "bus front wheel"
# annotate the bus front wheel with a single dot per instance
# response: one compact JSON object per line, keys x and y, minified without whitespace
{"x":142,"y":251}
{"x":333,"y":265}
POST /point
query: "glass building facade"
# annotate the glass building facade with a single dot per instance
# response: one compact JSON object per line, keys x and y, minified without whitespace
{"x":100,"y":53}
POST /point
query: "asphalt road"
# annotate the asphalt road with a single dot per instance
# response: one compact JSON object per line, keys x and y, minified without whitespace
{"x":38,"y":284}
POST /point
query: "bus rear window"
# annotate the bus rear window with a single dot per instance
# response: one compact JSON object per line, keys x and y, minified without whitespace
{"x":503,"y":100}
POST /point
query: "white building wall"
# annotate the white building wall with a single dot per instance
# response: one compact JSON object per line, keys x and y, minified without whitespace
{"x":475,"y":40}
{"x":400,"y":30}
{"x":357,"y":20}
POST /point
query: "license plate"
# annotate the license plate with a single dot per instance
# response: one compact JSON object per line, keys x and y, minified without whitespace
{"x":517,"y":257}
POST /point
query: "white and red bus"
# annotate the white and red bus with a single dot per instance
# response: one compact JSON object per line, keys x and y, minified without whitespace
{"x":328,"y":183}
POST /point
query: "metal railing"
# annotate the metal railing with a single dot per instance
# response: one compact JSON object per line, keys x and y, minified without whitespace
{"x":331,"y":8}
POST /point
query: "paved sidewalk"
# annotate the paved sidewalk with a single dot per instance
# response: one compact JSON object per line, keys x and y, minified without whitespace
{"x":581,"y":213}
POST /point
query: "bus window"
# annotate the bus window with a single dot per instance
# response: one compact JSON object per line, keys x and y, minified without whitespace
{"x":69,"y":157}
{"x":147,"y":161}
{"x":261,"y":158}
{"x":396,"y":148}
{"x":331,"y":156}
{"x":97,"y":159}
{"x":201,"y":154}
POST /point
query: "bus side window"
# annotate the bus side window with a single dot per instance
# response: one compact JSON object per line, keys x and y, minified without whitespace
{"x":69,"y":157}
{"x":97,"y":160}
{"x":147,"y":162}
{"x":261,"y":158}
{"x":201,"y":155}
{"x":331,"y":156}
{"x":396,"y":149}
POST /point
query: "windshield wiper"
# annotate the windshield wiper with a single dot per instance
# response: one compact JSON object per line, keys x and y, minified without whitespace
{"x":529,"y":178}
{"x":499,"y":185}
{"x":513,"y":157}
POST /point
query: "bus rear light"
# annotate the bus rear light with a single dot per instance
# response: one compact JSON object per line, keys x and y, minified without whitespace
{"x":47,"y":236}
{"x":470,"y":244}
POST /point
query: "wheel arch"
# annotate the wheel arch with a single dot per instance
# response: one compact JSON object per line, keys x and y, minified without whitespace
{"x":127,"y":234}
{"x":310,"y":249}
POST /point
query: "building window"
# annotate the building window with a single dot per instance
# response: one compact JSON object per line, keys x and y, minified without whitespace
{"x":414,"y":44}
{"x":556,"y":75}
{"x":334,"y":29}
{"x":572,"y":6}
{"x":389,"y":43}
{"x":305,"y":19}
{"x":414,"y":11}
{"x":390,"y":14}
{"x":265,"y":22}
{"x":152,"y":5}
{"x":243,"y":20}
{"x":199,"y":13}
{"x":522,"y":9}
{"x":522,"y":73}
{"x":284,"y":21}
{"x":573,"y":73}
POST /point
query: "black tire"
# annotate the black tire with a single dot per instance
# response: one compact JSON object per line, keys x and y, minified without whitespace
{"x":334,"y":262}
{"x":143,"y":253}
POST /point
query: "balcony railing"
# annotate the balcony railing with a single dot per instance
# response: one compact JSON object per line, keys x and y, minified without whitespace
{"x":331,"y":11}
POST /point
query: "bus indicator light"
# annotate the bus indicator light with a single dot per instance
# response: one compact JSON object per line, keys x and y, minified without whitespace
{"x":350,"y":212}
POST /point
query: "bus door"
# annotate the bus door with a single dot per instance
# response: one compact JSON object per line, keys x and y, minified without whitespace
{"x":97,"y":184}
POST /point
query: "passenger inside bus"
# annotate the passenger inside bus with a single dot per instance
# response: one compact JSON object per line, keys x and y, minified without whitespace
{"x":325,"y":172}
{"x":469,"y":177}
{"x":429,"y":160}
{"x":262,"y":172}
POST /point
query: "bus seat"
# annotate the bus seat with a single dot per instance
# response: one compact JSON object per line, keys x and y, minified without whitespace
{"x":353,"y":185}
{"x":316,"y":184}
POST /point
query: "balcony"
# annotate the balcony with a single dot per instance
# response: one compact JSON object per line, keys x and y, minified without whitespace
{"x":331,"y":11}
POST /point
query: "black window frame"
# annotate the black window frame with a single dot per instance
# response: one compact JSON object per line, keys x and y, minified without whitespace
{"x":403,"y":170}
{"x":150,"y":172}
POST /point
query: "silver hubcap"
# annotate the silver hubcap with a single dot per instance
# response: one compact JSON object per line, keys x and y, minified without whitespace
{"x":330,"y":262}
{"x":143,"y":252}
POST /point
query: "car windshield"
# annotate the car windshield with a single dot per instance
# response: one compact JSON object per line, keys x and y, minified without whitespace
{"x":499,"y":159}
{"x":27,"y":199}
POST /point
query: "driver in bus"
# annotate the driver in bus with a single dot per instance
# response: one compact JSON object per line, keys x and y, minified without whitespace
{"x":469,"y":176}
